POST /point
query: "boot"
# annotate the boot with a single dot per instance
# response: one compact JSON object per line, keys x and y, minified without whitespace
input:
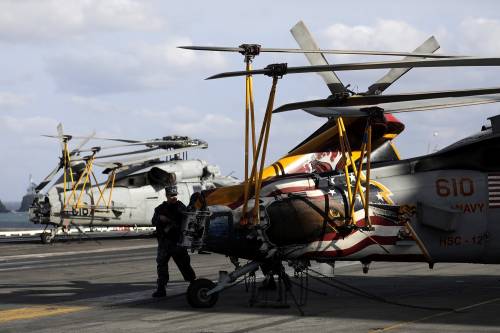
{"x":160,"y":291}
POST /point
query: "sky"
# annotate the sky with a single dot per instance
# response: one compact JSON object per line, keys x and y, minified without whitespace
{"x":112,"y":66}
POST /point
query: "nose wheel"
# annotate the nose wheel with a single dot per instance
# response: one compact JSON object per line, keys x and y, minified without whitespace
{"x":48,"y":237}
{"x":197,"y":294}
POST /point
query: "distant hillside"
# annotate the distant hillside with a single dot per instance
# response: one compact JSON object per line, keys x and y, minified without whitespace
{"x":3,"y":209}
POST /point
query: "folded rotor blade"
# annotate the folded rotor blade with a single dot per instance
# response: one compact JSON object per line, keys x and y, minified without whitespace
{"x":140,"y":160}
{"x":129,"y":143}
{"x":150,"y":143}
{"x":119,"y":154}
{"x":400,"y":107}
{"x":430,"y":45}
{"x":94,"y":137}
{"x":324,"y":51}
{"x":82,"y":143}
{"x":453,"y":62}
{"x":60,"y":135}
{"x":307,"y":42}
{"x":47,"y":179}
{"x":371,"y":100}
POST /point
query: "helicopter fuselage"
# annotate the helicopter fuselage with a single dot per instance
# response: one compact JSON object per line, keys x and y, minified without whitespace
{"x":442,"y":207}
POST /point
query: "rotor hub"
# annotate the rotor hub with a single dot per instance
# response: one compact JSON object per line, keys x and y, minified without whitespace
{"x":250,"y":51}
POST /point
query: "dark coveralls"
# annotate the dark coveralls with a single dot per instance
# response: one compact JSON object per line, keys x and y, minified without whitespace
{"x":167,"y":219}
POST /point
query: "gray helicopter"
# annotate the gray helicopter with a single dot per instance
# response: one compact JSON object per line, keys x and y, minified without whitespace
{"x":361,"y":203}
{"x":133,"y":187}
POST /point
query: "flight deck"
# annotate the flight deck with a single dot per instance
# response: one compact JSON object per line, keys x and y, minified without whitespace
{"x":106,"y":285}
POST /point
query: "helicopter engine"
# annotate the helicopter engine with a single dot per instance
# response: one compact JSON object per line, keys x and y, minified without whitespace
{"x":291,"y":219}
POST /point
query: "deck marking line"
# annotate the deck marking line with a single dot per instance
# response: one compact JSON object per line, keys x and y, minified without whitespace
{"x":37,"y":312}
{"x":67,"y":253}
{"x":389,"y":328}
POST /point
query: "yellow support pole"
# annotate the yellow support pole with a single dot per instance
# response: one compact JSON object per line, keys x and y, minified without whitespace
{"x":65,"y":166}
{"x":367,"y":179}
{"x":365,"y":149}
{"x":88,"y":170}
{"x":342,"y":138}
{"x":112,"y":187}
{"x":258,"y":184}
{"x":252,"y":179}
{"x":69,"y":165}
{"x":64,"y":183}
{"x":97,"y":185}
{"x":247,"y":117}
{"x":254,"y":168}
{"x":75,"y":187}
{"x":104,"y":189}
{"x":351,"y":161}
{"x":252,"y":113}
{"x":358,"y":185}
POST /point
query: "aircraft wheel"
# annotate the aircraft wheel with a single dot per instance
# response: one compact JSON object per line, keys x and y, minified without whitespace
{"x":197,"y":294}
{"x":46,"y":237}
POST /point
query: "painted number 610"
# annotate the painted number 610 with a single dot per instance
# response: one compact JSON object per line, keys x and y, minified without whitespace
{"x":454,"y":187}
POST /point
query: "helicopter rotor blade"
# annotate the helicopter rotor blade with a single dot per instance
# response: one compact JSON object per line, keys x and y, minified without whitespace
{"x":158,"y":144}
{"x":428,"y":63}
{"x":47,"y":179}
{"x":60,"y":135}
{"x":140,"y":160}
{"x":324,"y":51}
{"x":400,"y":107}
{"x":94,"y":137}
{"x":119,"y":154}
{"x":371,"y":100}
{"x":82,"y":143}
{"x":306,"y":42}
{"x":430,"y":45}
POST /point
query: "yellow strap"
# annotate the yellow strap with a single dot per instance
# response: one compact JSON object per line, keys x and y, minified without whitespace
{"x":112,"y":187}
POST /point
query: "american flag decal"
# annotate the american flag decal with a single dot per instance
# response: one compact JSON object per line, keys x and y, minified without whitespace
{"x":494,"y":190}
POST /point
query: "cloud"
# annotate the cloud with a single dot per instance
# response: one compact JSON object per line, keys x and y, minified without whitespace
{"x":186,"y":121}
{"x":170,"y":54}
{"x":30,"y":20}
{"x":97,"y":72}
{"x":480,"y":36}
{"x":27,"y":125}
{"x":384,"y":35}
{"x":143,"y":67}
{"x":9,"y":100}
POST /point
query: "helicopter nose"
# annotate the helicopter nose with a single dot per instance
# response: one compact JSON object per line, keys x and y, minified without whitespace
{"x":39,"y":211}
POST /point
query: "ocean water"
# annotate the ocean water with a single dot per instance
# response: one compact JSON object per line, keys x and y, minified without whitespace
{"x":15,"y":220}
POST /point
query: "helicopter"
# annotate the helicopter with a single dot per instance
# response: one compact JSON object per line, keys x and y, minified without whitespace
{"x":132,"y":189}
{"x":363,"y":202}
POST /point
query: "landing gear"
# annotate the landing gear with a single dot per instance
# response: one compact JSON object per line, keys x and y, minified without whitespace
{"x":197,"y":294}
{"x":366,"y":267}
{"x":48,"y":236}
{"x":203,"y":293}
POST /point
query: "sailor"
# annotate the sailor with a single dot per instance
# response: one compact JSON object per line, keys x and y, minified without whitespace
{"x":167,"y":219}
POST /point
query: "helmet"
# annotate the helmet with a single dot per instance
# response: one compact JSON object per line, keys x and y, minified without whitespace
{"x":171,"y":190}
